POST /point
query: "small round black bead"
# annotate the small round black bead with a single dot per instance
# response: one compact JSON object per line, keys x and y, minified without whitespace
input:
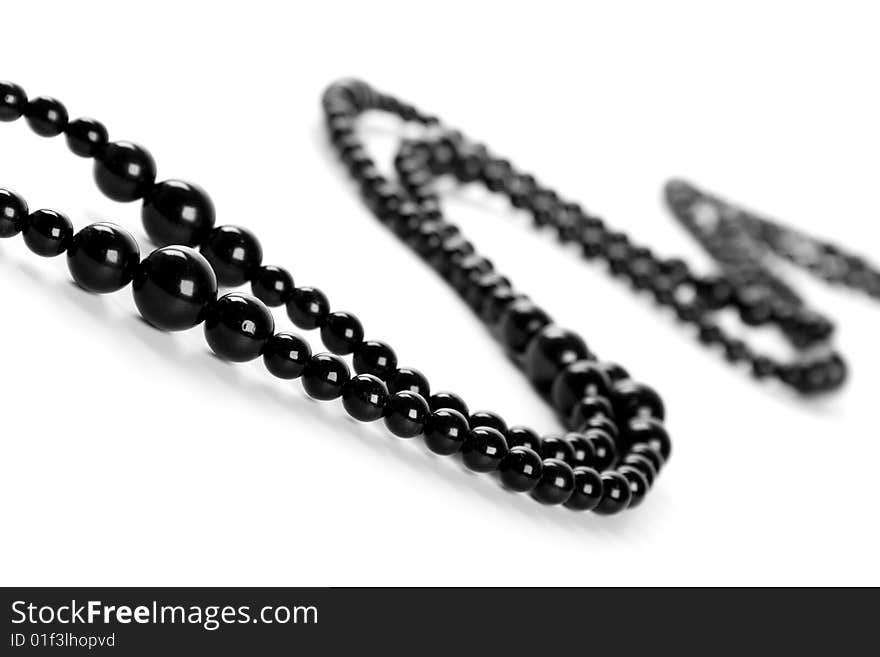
{"x":342,"y":332}
{"x":406,"y":413}
{"x":13,"y":212}
{"x":521,"y":469}
{"x":484,"y":449}
{"x":86,"y":137}
{"x":588,"y":408}
{"x":238,"y":326}
{"x":643,"y":464}
{"x":46,"y":116}
{"x":234,"y":253}
{"x":614,"y":371}
{"x":376,"y":358}
{"x":519,"y":323}
{"x":631,"y":399}
{"x":272,"y":285}
{"x":445,"y":431}
{"x":649,"y":452}
{"x":124,"y":171}
{"x":364,"y":397}
{"x":103,"y":258}
{"x":48,"y":233}
{"x":616,"y":494}
{"x":638,"y":484}
{"x":580,"y":379}
{"x":607,"y":425}
{"x":307,"y":307}
{"x":584,"y":451}
{"x":285,"y":355}
{"x":173,"y":288}
{"x":587,"y":490}
{"x":409,"y":378}
{"x":556,"y":484}
{"x":488,"y":419}
{"x":604,"y":448}
{"x":650,"y":431}
{"x":324,"y":376}
{"x":177,"y":212}
{"x":13,"y":101}
{"x":448,"y":400}
{"x":551,"y":350}
{"x":555,"y":447}
{"x":523,"y":437}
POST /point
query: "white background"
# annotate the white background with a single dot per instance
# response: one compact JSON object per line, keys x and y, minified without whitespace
{"x":134,"y":457}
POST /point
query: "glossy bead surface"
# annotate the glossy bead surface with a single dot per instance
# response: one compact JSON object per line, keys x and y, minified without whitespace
{"x":484,"y":449}
{"x":521,"y":469}
{"x":519,"y":323}
{"x":631,"y":399}
{"x":523,"y":437}
{"x":173,"y":288}
{"x":406,"y":413}
{"x":46,"y":116}
{"x":578,"y":380}
{"x":614,"y":371}
{"x":376,"y":358}
{"x":587,"y":491}
{"x":272,"y":285}
{"x":600,"y":422}
{"x":445,"y":431}
{"x":234,"y":253}
{"x":604,"y":447}
{"x":488,"y":419}
{"x":638,"y":484}
{"x":342,"y":332}
{"x":410,"y":379}
{"x":124,"y":171}
{"x":307,"y":307}
{"x":648,"y":452}
{"x":324,"y":376}
{"x":364,"y":397}
{"x":448,"y":400}
{"x":649,"y":431}
{"x":588,"y":408}
{"x":556,"y":447}
{"x":549,"y":352}
{"x":643,"y":464}
{"x":13,"y":213}
{"x":237,"y":327}
{"x":556,"y":484}
{"x":86,"y":137}
{"x":285,"y":355}
{"x":48,"y":233}
{"x":583,"y":451}
{"x":616,"y":494}
{"x":103,"y":258}
{"x":13,"y":101}
{"x":177,"y":212}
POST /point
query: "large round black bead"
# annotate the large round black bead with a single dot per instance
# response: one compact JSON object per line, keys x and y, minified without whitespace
{"x":177,"y":212}
{"x":173,"y":288}
{"x":521,"y":469}
{"x":519,"y":323}
{"x":46,"y":116}
{"x":445,"y":431}
{"x":406,"y":413}
{"x":549,"y":352}
{"x":124,"y":171}
{"x":103,"y":258}
{"x":48,"y":233}
{"x":285,"y":355}
{"x":638,"y":484}
{"x":13,"y":101}
{"x":484,"y":449}
{"x":376,"y":358}
{"x":86,"y":137}
{"x":272,"y":285}
{"x":364,"y":397}
{"x":587,"y":490}
{"x":342,"y":332}
{"x":13,"y":212}
{"x":556,"y":484}
{"x":632,"y":399}
{"x":324,"y":376}
{"x":307,"y":307}
{"x":237,"y":327}
{"x":234,"y":253}
{"x":616,"y":494}
{"x":578,"y":380}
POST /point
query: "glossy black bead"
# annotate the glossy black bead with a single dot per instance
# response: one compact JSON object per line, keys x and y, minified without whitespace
{"x":406,"y":413}
{"x":177,"y":212}
{"x":519,"y":323}
{"x":616,"y":494}
{"x":638,"y":484}
{"x":484,"y":449}
{"x":583,"y":450}
{"x":124,"y":171}
{"x":272,"y":285}
{"x":448,"y":400}
{"x":376,"y":358}
{"x":604,"y":448}
{"x":521,"y":469}
{"x":285,"y":355}
{"x":307,"y":307}
{"x":324,"y":376}
{"x":103,"y":258}
{"x":409,"y":378}
{"x":48,"y":233}
{"x":46,"y":116}
{"x":523,"y":437}
{"x":488,"y":419}
{"x":86,"y":137}
{"x":589,"y":408}
{"x":587,"y":491}
{"x":607,"y":425}
{"x":648,"y":452}
{"x":13,"y":101}
{"x":173,"y":288}
{"x":496,"y":303}
{"x":643,"y":464}
{"x":631,"y":399}
{"x":445,"y":431}
{"x":13,"y":212}
{"x":549,"y":352}
{"x":614,"y":371}
{"x":580,"y":379}
{"x":238,"y":326}
{"x":651,"y":432}
{"x":556,"y":447}
{"x":364,"y":397}
{"x":342,"y":332}
{"x":234,"y":253}
{"x":556,"y":484}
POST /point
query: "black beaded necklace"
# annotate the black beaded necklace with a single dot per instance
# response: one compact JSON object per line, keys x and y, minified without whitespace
{"x":616,"y":443}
